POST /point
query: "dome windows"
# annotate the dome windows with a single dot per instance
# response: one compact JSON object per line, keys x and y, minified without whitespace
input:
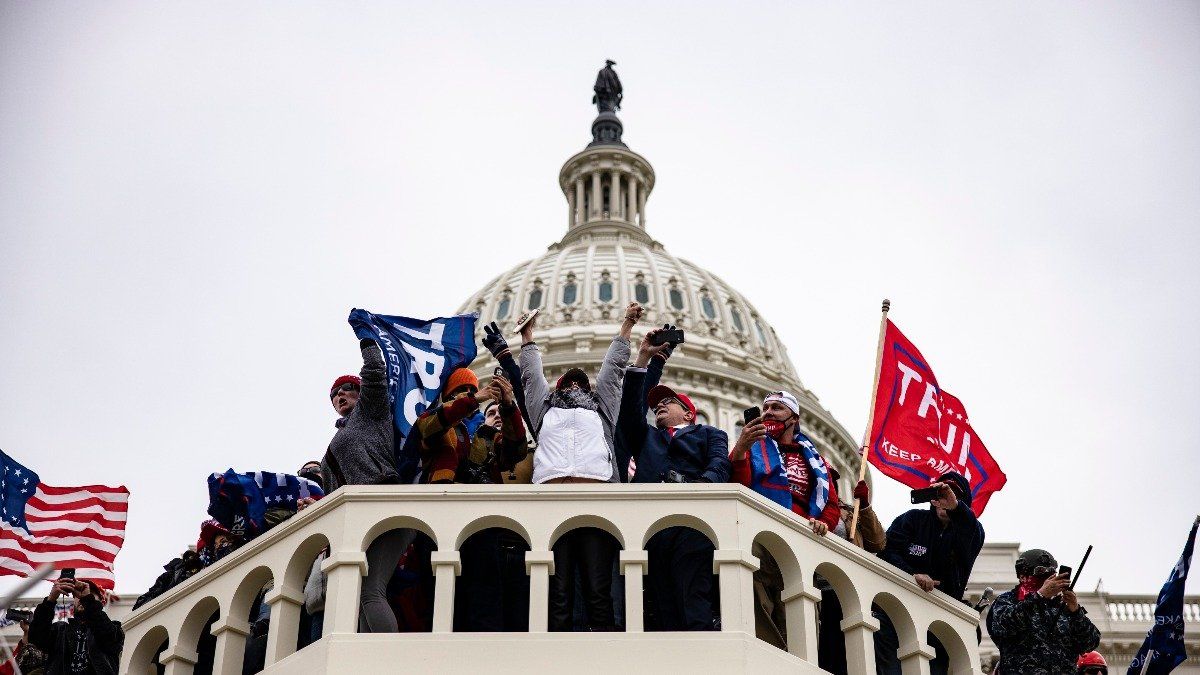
{"x":570,"y":292}
{"x":762,"y":337}
{"x":535,"y":295}
{"x":641,"y":291}
{"x":707,"y":306}
{"x":505,"y":305}
{"x":674,"y":294}
{"x":605,"y":291}
{"x":738,"y":325}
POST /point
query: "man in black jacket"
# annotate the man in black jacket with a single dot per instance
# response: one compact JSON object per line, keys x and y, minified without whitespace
{"x":938,"y":547}
{"x":89,"y":642}
{"x":675,"y":449}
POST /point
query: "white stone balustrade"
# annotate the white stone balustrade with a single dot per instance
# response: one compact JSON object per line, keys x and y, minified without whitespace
{"x":731,"y":516}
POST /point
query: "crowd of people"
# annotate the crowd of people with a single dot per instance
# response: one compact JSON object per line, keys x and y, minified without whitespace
{"x":599,"y":431}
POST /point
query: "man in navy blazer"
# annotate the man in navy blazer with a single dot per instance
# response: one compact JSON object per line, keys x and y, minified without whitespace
{"x":675,"y":449}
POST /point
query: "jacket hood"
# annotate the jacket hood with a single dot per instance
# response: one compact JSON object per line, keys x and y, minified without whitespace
{"x":963,"y":486}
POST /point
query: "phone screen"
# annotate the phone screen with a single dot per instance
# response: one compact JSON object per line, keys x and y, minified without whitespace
{"x":751,"y":414}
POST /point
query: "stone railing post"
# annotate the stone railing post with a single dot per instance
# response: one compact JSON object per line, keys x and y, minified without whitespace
{"x":735,"y":569}
{"x":860,"y":642}
{"x":343,"y":585}
{"x":285,"y":621}
{"x":633,"y":566}
{"x":178,"y":661}
{"x":539,"y":565}
{"x":800,"y":609}
{"x":446,"y":566}
{"x":915,"y":658}
{"x":231,"y":637}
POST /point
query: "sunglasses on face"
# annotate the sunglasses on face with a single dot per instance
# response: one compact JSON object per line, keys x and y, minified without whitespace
{"x":345,"y":387}
{"x":1094,"y":670}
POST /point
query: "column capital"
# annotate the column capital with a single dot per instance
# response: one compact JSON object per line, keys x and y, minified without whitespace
{"x":450,"y":559}
{"x":283,"y":593}
{"x":801,"y":594}
{"x":178,"y":653}
{"x":734,"y":556}
{"x":539,"y":558}
{"x":231,"y":625}
{"x":630,"y":559}
{"x":918,"y":649}
{"x":860,"y":620}
{"x":357,"y":558}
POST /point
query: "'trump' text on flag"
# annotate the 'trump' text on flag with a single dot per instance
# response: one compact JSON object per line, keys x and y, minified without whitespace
{"x":921,"y":431}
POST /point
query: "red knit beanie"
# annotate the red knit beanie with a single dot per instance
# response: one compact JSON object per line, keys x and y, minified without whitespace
{"x":352,"y":379}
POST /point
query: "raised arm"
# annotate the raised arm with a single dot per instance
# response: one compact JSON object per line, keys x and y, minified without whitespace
{"x":373,"y":395}
{"x":612,"y":370}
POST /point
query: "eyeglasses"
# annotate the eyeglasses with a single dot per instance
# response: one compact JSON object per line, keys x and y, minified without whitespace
{"x":348,"y":386}
{"x":670,"y":401}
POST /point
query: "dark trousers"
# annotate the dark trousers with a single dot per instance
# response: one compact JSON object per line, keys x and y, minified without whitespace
{"x":887,"y":642}
{"x":492,"y":594}
{"x":831,"y":641}
{"x":591,"y":551}
{"x":679,"y":583}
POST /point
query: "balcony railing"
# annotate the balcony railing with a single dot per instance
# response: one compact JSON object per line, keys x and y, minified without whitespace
{"x":733,"y":517}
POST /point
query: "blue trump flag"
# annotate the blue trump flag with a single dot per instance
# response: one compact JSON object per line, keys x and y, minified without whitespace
{"x":1164,"y":642}
{"x":420,"y":355}
{"x":239,"y":501}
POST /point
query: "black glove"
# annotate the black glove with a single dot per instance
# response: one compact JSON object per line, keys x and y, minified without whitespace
{"x":666,"y":352}
{"x":493,"y":340}
{"x":366,"y":342}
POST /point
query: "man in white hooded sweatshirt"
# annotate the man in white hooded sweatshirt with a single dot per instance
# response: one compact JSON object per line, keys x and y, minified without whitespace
{"x":575,"y":426}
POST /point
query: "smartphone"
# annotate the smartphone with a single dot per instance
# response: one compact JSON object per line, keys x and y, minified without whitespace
{"x":67,"y":573}
{"x":663,"y":336}
{"x":499,"y":372}
{"x":924,"y":495}
{"x":519,"y":326}
{"x":751,"y":414}
{"x":1064,"y":569}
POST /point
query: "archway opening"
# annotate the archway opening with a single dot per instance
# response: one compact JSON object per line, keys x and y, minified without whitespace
{"x":682,"y":592}
{"x":587,"y":590}
{"x":492,"y":592}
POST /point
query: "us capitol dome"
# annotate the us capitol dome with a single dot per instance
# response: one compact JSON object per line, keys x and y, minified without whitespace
{"x":732,"y":357}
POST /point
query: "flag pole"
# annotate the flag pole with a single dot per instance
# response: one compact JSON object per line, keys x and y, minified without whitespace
{"x":1146,"y":663}
{"x":866,"y":445}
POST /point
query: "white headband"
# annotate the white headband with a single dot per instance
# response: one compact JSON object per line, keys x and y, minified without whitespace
{"x":785,"y":398}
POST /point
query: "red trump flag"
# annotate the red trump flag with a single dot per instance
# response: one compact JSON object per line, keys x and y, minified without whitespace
{"x":920,"y":431}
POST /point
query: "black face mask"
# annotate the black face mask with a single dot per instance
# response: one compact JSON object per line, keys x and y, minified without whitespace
{"x":314,"y":476}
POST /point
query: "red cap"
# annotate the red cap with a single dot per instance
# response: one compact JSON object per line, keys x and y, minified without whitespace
{"x":352,"y":379}
{"x":1091,"y":659}
{"x":661,"y":391}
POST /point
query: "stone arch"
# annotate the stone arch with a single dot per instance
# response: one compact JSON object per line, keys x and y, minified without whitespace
{"x":193,"y":624}
{"x":395,"y":523}
{"x":778,"y":576}
{"x":681,"y":520}
{"x":243,"y":597}
{"x":485,"y":522}
{"x":785,"y":557}
{"x":299,"y":565}
{"x":907,"y":636}
{"x":143,"y":653}
{"x":956,"y":648}
{"x":586,"y":520}
{"x":847,"y":593}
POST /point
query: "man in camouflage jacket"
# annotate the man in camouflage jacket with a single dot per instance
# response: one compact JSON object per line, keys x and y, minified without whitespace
{"x":1039,"y":626}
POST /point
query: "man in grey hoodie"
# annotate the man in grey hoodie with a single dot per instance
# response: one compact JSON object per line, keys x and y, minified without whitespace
{"x":361,"y":454}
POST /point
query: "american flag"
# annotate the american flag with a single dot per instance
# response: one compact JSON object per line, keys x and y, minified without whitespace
{"x":80,"y":527}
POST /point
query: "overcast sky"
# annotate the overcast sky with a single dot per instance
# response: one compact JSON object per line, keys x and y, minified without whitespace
{"x":193,"y":196}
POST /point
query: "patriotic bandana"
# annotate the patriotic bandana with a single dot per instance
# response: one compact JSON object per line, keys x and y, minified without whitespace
{"x":818,"y":495}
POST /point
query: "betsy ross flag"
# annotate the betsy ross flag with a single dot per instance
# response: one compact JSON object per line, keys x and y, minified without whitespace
{"x":80,"y":527}
{"x":921,"y":431}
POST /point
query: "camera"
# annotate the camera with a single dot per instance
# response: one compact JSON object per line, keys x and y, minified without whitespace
{"x":924,"y":495}
{"x":673,"y":476}
{"x":674,"y":336}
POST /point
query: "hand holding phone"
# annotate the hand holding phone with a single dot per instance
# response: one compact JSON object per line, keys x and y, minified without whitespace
{"x":660,"y":337}
{"x":925,"y":495}
{"x":751,"y":414}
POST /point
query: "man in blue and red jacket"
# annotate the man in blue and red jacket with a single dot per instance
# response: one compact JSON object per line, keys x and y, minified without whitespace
{"x":775,"y":459}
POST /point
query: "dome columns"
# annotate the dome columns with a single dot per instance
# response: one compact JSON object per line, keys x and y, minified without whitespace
{"x":606,"y":189}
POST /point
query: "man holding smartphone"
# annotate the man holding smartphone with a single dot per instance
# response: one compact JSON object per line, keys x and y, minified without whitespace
{"x":1039,"y":625}
{"x":675,"y":450}
{"x":937,"y":546}
{"x":88,"y":642}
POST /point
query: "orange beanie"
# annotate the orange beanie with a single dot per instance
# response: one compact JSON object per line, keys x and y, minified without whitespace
{"x":460,"y":377}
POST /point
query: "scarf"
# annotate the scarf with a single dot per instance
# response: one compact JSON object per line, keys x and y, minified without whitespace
{"x":769,"y":477}
{"x":574,"y":398}
{"x":1028,"y":586}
